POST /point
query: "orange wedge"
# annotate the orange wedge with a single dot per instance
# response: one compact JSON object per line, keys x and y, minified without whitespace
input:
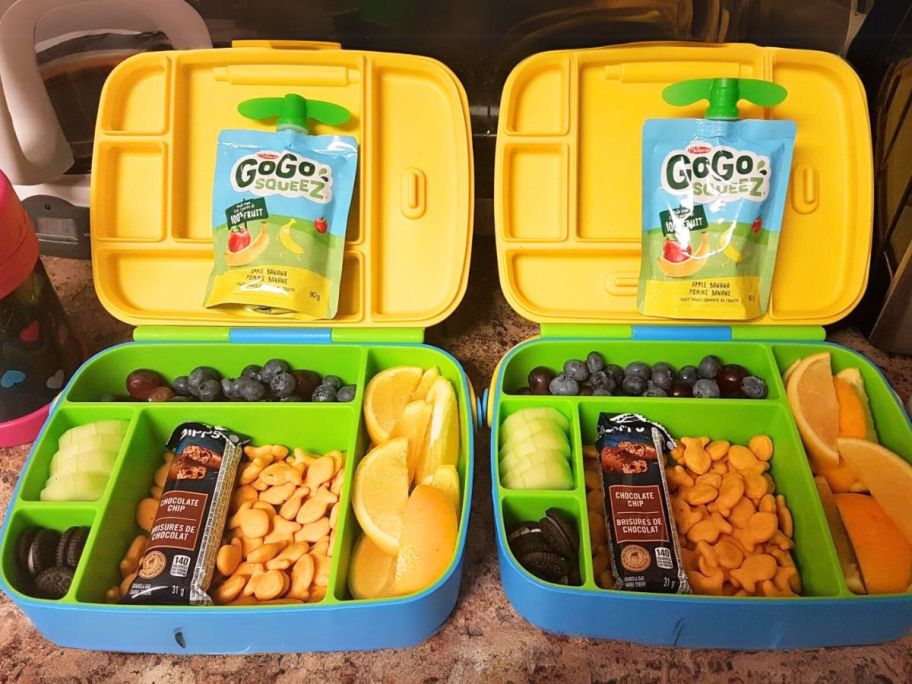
{"x":812,"y":396}
{"x":428,"y":540}
{"x":413,"y":426}
{"x":372,"y":570}
{"x":385,"y":399}
{"x":380,"y":493}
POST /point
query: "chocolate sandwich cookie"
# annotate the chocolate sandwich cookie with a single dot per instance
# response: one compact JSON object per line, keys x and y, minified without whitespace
{"x":60,"y":554}
{"x":42,"y":551}
{"x":527,"y":538}
{"x":23,"y":544}
{"x":560,"y":533}
{"x":54,"y":582}
{"x":547,"y":565}
{"x":70,"y":554}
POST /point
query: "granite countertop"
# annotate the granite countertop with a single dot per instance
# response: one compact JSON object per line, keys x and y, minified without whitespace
{"x":484,"y":638}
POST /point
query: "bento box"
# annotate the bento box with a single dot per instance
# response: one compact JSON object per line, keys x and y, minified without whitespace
{"x":568,"y":210}
{"x":158,"y":120}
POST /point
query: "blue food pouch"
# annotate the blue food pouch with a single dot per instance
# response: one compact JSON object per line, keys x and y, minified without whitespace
{"x":714,"y":194}
{"x":280,"y":210}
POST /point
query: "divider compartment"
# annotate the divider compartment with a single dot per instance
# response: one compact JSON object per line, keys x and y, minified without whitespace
{"x":737,"y":422}
{"x":55,"y":516}
{"x":531,"y":506}
{"x":319,"y":428}
{"x":38,"y":468}
{"x":511,"y":405}
{"x":552,"y":353}
{"x":378,"y":359}
{"x":107,"y":373}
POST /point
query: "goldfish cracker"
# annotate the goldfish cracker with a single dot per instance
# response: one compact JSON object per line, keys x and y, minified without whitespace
{"x":762,"y":446}
{"x":709,"y":530}
{"x":741,"y":512}
{"x":242,"y":495}
{"x":685,"y":516}
{"x":292,"y":504}
{"x":337,"y":482}
{"x":786,"y":523}
{"x":265,"y":552}
{"x":249,"y":569}
{"x":729,"y":554}
{"x":592,"y":480}
{"x":787,"y":578}
{"x":161,"y":475}
{"x":244,"y":601}
{"x":717,"y":449}
{"x":249,"y":544}
{"x":280,"y":473}
{"x":287,"y":557}
{"x":112,"y":595}
{"x":598,"y":531}
{"x":606,"y":580}
{"x":720,"y":467}
{"x":755,"y":569}
{"x":770,"y":483}
{"x":311,"y":511}
{"x":677,"y":454}
{"x":270,"y":585}
{"x":700,"y":494}
{"x":250,"y":472}
{"x":767,"y":504}
{"x":228,"y":558}
{"x":229,"y":590}
{"x":254,"y":522}
{"x":706,"y":584}
{"x":316,"y":594}
{"x":264,"y":506}
{"x":321,"y":471}
{"x":782,"y":541}
{"x":712,"y":479}
{"x":695,"y":456}
{"x":676,"y":477}
{"x":145,"y":513}
{"x":276,"y":495}
{"x":126,"y":583}
{"x":755,"y":486}
{"x":707,"y":553}
{"x":731,"y":491}
{"x":134,"y":554}
{"x":768,"y":588}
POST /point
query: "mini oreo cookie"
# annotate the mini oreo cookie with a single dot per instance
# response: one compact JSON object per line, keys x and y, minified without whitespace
{"x":547,"y":565}
{"x":60,"y":554}
{"x":560,"y":533}
{"x":527,"y":538}
{"x":42,"y":551}
{"x":23,"y":544}
{"x":76,"y":545}
{"x":54,"y":582}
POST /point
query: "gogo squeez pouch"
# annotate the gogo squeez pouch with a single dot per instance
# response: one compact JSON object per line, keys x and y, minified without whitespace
{"x":714,"y":192}
{"x":280,"y":210}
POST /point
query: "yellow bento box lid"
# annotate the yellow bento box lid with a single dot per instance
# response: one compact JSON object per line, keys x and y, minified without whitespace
{"x":409,"y":234}
{"x":568,"y":198}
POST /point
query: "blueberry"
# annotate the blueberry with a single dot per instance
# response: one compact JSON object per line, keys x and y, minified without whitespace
{"x":282,"y":385}
{"x":688,"y":375}
{"x":655,"y":392}
{"x":334,"y":381}
{"x":324,"y":393}
{"x":346,"y":393}
{"x":251,"y":372}
{"x":198,"y":374}
{"x":634,"y":385}
{"x":291,"y":397}
{"x":754,"y":387}
{"x":638,"y":369}
{"x":615,"y":372}
{"x":181,"y":386}
{"x":601,"y":392}
{"x":662,"y":377}
{"x":251,"y":390}
{"x":576,"y":369}
{"x":665,"y":366}
{"x":704,"y":388}
{"x":595,"y":362}
{"x":710,"y":367}
{"x":229,"y":388}
{"x":210,"y":390}
{"x":564,"y":386}
{"x":602,"y":379}
{"x":272,"y":368}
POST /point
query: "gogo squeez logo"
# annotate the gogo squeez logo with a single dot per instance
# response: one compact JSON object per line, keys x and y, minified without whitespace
{"x":714,"y":173}
{"x":282,"y":173}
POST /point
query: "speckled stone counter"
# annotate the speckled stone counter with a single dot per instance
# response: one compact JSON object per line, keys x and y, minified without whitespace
{"x":484,"y":638}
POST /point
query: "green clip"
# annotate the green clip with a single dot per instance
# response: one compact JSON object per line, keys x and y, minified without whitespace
{"x":723,"y":94}
{"x":293,"y":111}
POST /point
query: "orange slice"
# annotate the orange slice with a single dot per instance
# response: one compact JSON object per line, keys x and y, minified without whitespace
{"x":380,"y":493}
{"x":372,"y":570}
{"x":812,"y":396}
{"x":385,"y":399}
{"x":428,"y":540}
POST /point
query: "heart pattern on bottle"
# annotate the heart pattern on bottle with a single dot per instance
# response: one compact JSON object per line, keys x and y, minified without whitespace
{"x":11,"y":378}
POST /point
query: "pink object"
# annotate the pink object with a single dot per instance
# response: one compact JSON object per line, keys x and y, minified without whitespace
{"x":22,"y":430}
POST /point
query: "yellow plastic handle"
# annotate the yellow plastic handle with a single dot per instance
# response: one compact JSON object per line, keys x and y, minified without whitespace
{"x":288,"y":44}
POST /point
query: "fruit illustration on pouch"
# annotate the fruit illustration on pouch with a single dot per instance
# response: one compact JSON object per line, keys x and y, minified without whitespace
{"x":757,"y":225}
{"x":675,"y":252}
{"x":321,"y":225}
{"x":249,"y":252}
{"x":684,"y":264}
{"x":287,"y":240}
{"x":238,"y":239}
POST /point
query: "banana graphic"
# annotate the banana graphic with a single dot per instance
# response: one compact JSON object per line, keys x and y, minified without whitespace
{"x":285,"y":237}
{"x":252,"y":251}
{"x":684,"y":269}
{"x":728,"y":248}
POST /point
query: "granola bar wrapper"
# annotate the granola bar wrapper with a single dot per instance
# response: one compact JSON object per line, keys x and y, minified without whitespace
{"x":178,"y":563}
{"x":645,"y":555}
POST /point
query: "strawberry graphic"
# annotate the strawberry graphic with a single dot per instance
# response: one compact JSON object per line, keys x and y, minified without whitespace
{"x":238,"y":239}
{"x":757,"y":225}
{"x":321,"y":225}
{"x":674,"y":252}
